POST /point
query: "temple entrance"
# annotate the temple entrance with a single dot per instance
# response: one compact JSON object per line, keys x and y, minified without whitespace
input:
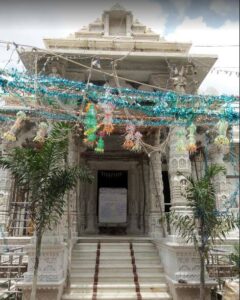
{"x":112,"y":204}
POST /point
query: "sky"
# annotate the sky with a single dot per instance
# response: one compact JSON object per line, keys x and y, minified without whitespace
{"x":211,"y":23}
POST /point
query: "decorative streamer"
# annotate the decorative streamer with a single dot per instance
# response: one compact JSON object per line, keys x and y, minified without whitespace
{"x":153,"y":104}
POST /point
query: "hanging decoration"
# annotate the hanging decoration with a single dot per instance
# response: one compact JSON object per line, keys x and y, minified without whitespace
{"x":107,"y":122}
{"x":222,"y":139}
{"x":100,"y":145}
{"x":91,"y":127}
{"x":133,"y":139}
{"x":129,"y":137}
{"x":137,"y":142}
{"x":41,"y":133}
{"x":11,"y":134}
{"x":191,"y":146}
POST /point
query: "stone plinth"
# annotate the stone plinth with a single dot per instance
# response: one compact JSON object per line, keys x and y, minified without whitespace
{"x":52,"y":269}
{"x":182,"y":268}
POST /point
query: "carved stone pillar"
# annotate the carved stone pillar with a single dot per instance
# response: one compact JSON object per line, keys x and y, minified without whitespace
{"x":140,"y":201}
{"x":128,"y":25}
{"x":73,"y":161}
{"x":133,"y":203}
{"x":5,"y":190}
{"x":92,"y":205}
{"x":146,"y":201}
{"x":178,"y":162}
{"x":106,"y":24}
{"x":216,"y":154}
{"x":156,"y":198}
{"x":81,"y":208}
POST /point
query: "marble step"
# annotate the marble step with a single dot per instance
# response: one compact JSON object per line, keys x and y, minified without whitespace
{"x":118,"y":296}
{"x":147,"y":287}
{"x":112,"y":254}
{"x":114,"y":239}
{"x":116,"y":250}
{"x":114,"y":246}
{"x":119,"y":278}
{"x":117,"y":261}
{"x":117,"y":270}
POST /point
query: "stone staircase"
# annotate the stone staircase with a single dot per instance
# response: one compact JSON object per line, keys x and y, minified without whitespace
{"x":116,"y":270}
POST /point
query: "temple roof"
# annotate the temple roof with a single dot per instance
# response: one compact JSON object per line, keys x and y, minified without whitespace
{"x":117,"y":6}
{"x":117,"y":35}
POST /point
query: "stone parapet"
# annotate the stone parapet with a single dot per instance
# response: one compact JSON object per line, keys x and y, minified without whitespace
{"x":182,"y":268}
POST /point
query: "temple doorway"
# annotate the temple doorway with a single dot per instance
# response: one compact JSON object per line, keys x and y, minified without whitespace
{"x":112,"y":204}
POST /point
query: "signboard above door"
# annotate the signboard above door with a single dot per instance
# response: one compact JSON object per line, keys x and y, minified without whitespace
{"x":112,"y":206}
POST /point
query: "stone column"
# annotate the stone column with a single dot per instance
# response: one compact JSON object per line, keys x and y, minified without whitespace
{"x":178,"y":162}
{"x":5,"y":192}
{"x":106,"y":24}
{"x":216,"y":155}
{"x":128,"y":25}
{"x":72,"y":196}
{"x":81,"y":195}
{"x":133,"y":199}
{"x":81,"y":208}
{"x":147,"y":195}
{"x":92,"y":204}
{"x":140,"y":202}
{"x":156,"y":198}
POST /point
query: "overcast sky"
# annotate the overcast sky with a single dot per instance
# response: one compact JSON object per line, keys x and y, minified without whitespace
{"x":203,"y":22}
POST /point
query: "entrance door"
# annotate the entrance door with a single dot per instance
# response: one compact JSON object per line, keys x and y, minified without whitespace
{"x":112,"y":201}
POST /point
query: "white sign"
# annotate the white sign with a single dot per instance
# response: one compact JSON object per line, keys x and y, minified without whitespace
{"x":112,"y":205}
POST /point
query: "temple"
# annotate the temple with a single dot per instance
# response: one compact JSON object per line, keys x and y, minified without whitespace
{"x":130,"y":191}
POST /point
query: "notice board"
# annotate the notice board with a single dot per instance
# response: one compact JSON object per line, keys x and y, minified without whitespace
{"x":112,"y":205}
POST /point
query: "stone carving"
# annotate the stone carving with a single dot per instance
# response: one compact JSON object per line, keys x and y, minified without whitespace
{"x":54,"y":72}
{"x":220,"y":181}
{"x":188,"y":265}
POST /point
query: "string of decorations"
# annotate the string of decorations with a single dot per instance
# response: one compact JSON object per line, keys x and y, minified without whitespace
{"x":228,"y":72}
{"x":154,"y":104}
{"x":163,"y":108}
